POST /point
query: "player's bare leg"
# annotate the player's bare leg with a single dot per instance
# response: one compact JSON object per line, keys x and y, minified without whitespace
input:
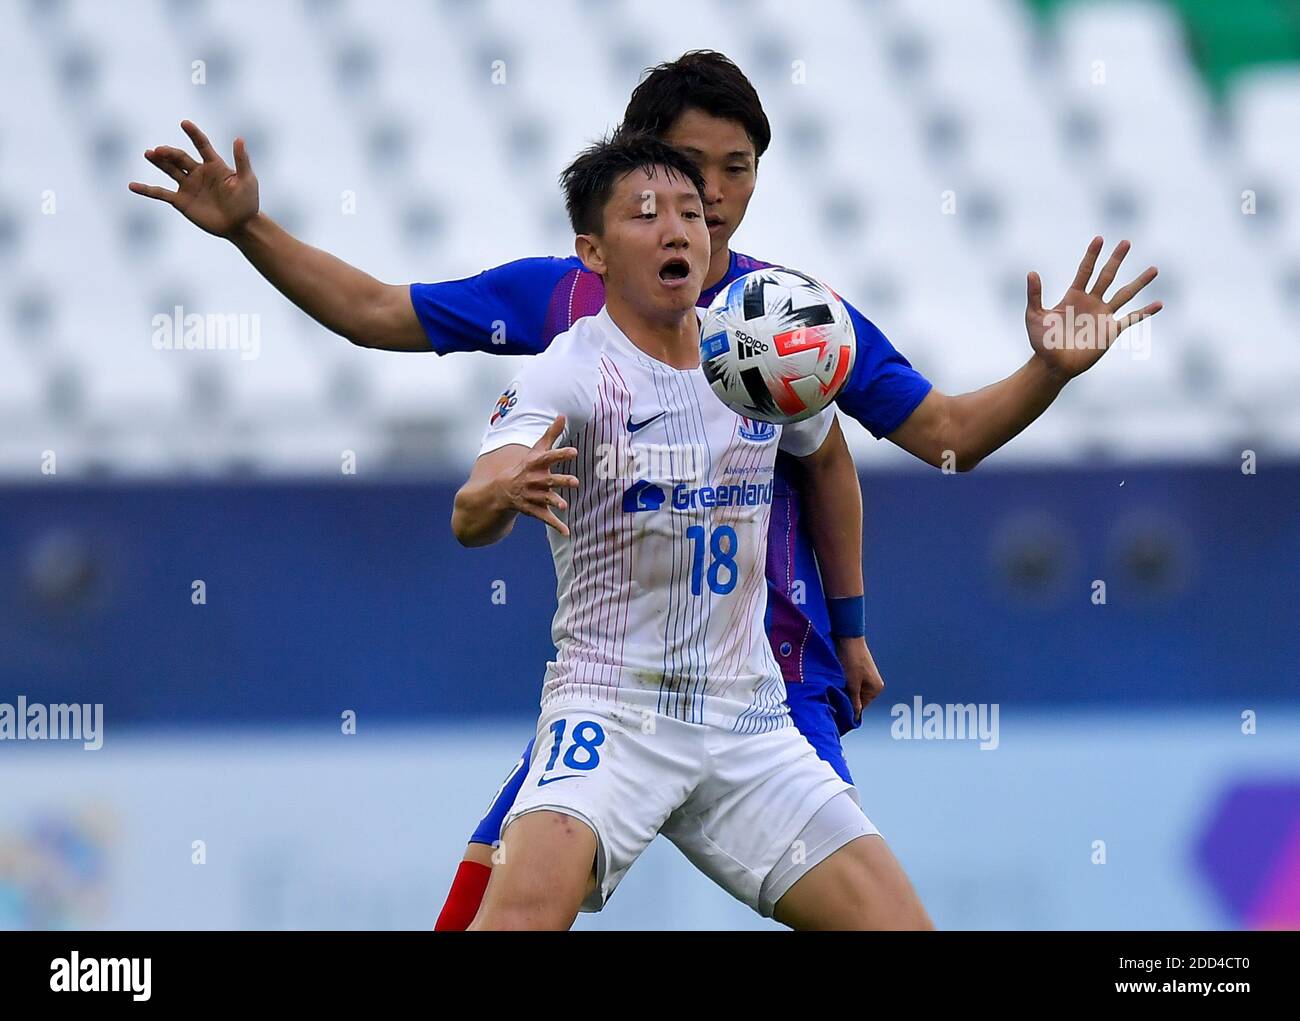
{"x":860,"y":886}
{"x":544,"y":871}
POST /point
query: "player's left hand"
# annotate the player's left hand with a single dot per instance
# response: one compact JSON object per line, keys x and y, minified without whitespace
{"x":862,"y":680}
{"x":1072,"y":336}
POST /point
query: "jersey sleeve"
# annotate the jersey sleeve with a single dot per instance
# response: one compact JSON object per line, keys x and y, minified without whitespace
{"x":804,"y":438}
{"x":502,"y":310}
{"x":545,"y":387}
{"x":883,"y":389}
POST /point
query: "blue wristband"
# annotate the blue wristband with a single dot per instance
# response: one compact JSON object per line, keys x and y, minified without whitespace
{"x":848,"y":616}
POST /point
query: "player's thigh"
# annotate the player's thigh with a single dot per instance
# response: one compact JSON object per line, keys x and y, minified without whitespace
{"x":541,"y":879}
{"x":595,"y":764}
{"x":860,"y":886}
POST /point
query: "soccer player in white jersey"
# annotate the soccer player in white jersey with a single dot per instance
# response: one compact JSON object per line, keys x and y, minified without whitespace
{"x":663,"y":710}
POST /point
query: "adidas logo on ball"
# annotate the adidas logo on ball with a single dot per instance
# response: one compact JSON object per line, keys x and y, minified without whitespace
{"x":747,"y":346}
{"x":777,"y":345}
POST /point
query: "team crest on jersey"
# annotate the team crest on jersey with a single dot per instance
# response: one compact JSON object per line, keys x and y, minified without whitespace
{"x":756,"y":430}
{"x":504,"y":403}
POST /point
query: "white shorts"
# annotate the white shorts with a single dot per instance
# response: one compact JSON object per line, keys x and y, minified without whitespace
{"x":734,"y":804}
{"x":836,"y":823}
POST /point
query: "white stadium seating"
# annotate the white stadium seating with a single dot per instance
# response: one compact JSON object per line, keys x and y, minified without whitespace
{"x":378,"y":133}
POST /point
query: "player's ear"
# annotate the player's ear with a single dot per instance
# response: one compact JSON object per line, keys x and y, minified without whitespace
{"x":589,"y":250}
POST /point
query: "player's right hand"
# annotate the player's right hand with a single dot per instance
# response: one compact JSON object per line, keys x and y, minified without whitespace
{"x":209,"y":194}
{"x":861,"y":678}
{"x":531,"y":487}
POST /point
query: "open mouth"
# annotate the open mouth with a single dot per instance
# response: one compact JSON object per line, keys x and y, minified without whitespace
{"x":674,"y":269}
{"x":713,"y":223}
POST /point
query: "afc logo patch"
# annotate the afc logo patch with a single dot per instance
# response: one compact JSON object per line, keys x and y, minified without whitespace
{"x":504,"y":403}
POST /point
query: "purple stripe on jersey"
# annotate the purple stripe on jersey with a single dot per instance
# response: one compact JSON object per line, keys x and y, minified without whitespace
{"x":617,"y":524}
{"x":742,"y":264}
{"x":798,"y":630}
{"x":579,"y":294}
{"x":788,"y":628}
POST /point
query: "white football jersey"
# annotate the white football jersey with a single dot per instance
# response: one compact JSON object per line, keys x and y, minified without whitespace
{"x":660,"y":583}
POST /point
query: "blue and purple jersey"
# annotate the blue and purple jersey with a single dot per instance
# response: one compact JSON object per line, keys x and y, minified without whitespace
{"x":520,"y":307}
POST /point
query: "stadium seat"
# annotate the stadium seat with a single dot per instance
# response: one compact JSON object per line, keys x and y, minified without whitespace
{"x":922,"y":197}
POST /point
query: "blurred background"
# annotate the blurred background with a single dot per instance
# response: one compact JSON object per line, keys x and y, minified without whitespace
{"x":925,"y":156}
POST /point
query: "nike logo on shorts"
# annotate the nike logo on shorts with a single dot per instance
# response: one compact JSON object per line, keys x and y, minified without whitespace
{"x":543,"y":781}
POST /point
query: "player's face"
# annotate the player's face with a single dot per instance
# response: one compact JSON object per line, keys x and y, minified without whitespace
{"x":725,"y":155}
{"x":654,"y":246}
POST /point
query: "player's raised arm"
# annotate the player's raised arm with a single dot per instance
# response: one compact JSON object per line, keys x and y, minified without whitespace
{"x":1068,"y":339}
{"x":223,"y":201}
{"x":510,"y":481}
{"x":832,"y":497}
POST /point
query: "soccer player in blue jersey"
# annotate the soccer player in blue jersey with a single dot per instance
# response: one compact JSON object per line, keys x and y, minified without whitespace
{"x":705,"y":106}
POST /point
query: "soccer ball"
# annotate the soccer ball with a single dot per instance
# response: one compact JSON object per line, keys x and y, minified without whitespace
{"x":777,"y":345}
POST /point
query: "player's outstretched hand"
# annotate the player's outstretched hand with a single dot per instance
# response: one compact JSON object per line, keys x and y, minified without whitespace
{"x":862,"y":680}
{"x":531,"y":487}
{"x":1073,"y":335}
{"x":209,"y":194}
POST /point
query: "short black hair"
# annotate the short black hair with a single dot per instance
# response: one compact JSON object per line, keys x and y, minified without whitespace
{"x":706,"y":80}
{"x":589,"y":180}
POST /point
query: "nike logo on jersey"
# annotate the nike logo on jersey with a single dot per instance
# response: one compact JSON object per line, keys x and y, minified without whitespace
{"x":543,"y":781}
{"x":638,"y":426}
